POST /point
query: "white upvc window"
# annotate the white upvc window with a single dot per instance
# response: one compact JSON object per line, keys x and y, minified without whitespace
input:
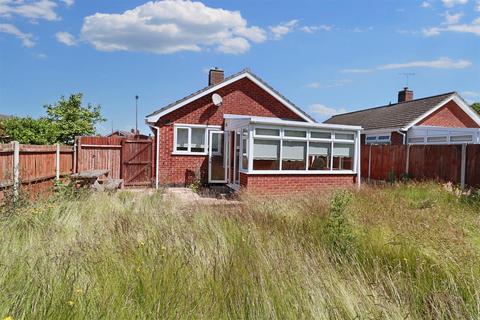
{"x":381,"y":138}
{"x":192,"y":139}
{"x":301,"y":150}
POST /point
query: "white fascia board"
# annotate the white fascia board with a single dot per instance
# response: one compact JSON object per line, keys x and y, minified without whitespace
{"x":246,"y":74}
{"x":458,"y":100}
{"x":280,"y":122}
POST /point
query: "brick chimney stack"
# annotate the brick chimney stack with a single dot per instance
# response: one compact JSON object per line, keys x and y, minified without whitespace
{"x":405,"y":95}
{"x":215,"y":76}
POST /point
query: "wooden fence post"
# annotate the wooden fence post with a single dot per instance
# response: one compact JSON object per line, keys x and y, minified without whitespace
{"x":16,"y":169}
{"x":57,"y":163}
{"x":463,"y":165}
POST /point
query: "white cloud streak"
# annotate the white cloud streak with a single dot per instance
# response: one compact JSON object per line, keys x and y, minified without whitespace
{"x":331,"y":84}
{"x":441,"y":63}
{"x":279,"y":31}
{"x":66,"y":38}
{"x":452,"y":3}
{"x":40,"y":9}
{"x":25,"y":38}
{"x":324,"y":111}
{"x":314,"y":29}
{"x":473,"y":28}
{"x":165,"y":27}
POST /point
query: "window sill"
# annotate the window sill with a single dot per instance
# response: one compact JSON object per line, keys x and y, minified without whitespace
{"x":176,"y":153}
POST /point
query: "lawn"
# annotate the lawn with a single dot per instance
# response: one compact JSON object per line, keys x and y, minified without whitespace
{"x":397,"y":252}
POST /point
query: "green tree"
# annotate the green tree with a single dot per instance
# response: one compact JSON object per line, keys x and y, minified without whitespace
{"x":72,"y":119}
{"x":29,"y":131}
{"x":476,"y":107}
{"x":64,"y":120}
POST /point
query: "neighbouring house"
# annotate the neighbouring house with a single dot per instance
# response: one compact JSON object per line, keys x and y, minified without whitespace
{"x":127,"y":134}
{"x":440,"y":119}
{"x":241,"y":132}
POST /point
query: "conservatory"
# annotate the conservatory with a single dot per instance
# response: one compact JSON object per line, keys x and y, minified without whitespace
{"x":271,"y":152}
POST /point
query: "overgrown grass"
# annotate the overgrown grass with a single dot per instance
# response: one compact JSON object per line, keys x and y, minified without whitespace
{"x":405,"y":251}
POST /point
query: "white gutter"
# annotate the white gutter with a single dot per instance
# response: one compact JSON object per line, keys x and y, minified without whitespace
{"x":157,"y":153}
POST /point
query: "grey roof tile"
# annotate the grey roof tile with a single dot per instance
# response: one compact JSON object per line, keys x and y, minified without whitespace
{"x":390,"y":116}
{"x":171,"y":105}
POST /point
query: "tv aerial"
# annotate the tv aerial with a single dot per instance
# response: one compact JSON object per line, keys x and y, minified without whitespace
{"x":407,"y":76}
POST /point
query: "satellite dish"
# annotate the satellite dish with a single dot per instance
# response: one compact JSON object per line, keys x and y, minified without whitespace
{"x":217,"y":99}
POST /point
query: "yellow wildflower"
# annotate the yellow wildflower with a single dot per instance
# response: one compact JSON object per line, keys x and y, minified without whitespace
{"x":142,"y":243}
{"x":70,"y":302}
{"x":163,"y":248}
{"x":78,"y":290}
{"x":138,"y":269}
{"x":8,"y":318}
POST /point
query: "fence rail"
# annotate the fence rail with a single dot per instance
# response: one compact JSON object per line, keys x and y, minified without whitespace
{"x":455,"y":163}
{"x":33,"y":166}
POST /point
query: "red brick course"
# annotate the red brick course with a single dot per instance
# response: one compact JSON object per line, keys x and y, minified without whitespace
{"x":241,"y":97}
{"x":262,"y":184}
{"x":450,"y":115}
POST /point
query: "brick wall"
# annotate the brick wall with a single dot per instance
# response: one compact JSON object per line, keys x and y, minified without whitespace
{"x":262,"y":184}
{"x":241,"y":97}
{"x":450,"y":115}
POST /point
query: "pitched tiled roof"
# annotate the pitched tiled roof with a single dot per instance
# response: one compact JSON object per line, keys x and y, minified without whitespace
{"x":173,"y":104}
{"x":396,"y":115}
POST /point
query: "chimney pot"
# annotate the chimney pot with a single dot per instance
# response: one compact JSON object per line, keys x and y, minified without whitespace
{"x":405,"y":95}
{"x":215,"y":76}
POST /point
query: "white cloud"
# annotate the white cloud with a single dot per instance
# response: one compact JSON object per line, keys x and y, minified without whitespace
{"x":426,"y":4}
{"x":452,"y":3}
{"x":41,"y":56}
{"x":452,"y":18}
{"x":473,"y":27}
{"x":442,"y":63}
{"x":323,"y":110}
{"x":68,"y":3}
{"x":26,"y":38}
{"x":472,"y":94}
{"x":66,"y":38}
{"x":331,"y":84}
{"x":279,"y":31}
{"x":313,"y":29}
{"x":38,"y":9}
{"x":170,"y":26}
{"x":358,"y":70}
{"x":360,"y":30}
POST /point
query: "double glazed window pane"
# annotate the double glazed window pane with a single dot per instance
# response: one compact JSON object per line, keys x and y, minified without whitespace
{"x":342,"y":156}
{"x":245,"y":149}
{"x":182,"y":139}
{"x":267,"y":132}
{"x":293,"y":155}
{"x":266,"y":154}
{"x":319,"y":156}
{"x":295,"y":133}
{"x":198,"y":140}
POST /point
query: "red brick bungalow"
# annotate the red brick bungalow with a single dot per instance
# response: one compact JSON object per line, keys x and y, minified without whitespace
{"x":240,"y":132}
{"x":441,"y":119}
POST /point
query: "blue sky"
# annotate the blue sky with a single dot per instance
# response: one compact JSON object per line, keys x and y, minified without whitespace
{"x":326,"y":56}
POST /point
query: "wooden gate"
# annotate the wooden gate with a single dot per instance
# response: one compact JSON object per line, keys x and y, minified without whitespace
{"x":137,"y":162}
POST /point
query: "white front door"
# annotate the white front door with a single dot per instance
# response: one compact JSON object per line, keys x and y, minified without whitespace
{"x":217,"y":160}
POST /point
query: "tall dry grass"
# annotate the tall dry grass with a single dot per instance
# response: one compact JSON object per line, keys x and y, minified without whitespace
{"x":406,"y":251}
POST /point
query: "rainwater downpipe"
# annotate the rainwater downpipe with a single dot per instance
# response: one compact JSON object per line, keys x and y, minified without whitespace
{"x":157,"y":153}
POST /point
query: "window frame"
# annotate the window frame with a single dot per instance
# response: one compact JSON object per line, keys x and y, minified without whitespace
{"x":189,"y":127}
{"x":307,"y":139}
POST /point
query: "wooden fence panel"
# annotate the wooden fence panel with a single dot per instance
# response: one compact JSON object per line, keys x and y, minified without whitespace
{"x":37,"y":166}
{"x":100,"y":153}
{"x":6,"y":163}
{"x":472,"y":168}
